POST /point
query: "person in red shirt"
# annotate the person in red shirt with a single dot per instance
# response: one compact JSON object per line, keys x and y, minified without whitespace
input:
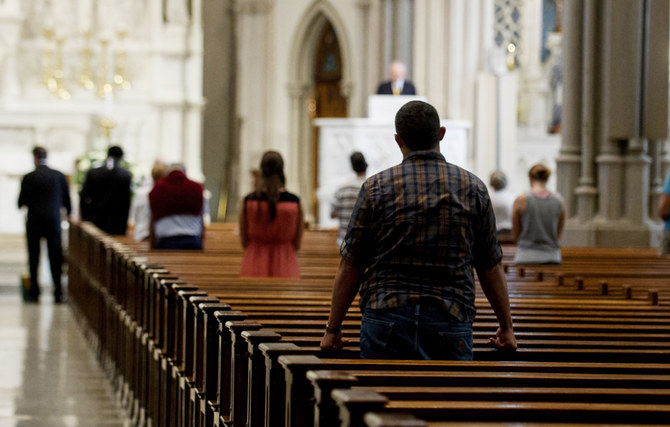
{"x":177,"y":207}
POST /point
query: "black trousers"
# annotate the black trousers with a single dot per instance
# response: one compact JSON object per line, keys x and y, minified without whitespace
{"x":51,"y":231}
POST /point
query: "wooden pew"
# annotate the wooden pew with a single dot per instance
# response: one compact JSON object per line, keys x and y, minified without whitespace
{"x":310,"y":326}
{"x":490,"y":382}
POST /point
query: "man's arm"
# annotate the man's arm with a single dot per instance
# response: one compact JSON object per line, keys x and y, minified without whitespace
{"x":664,"y":207}
{"x":85,"y":198}
{"x":203,"y":230}
{"x":152,"y":233}
{"x":494,"y":285}
{"x":345,"y":289}
{"x":517,"y":213}
{"x":65,"y":188}
{"x":204,"y":212}
{"x":242,"y":220}
{"x":23,"y":196}
{"x":334,"y":206}
{"x":297,"y":239}
{"x":561,"y":221}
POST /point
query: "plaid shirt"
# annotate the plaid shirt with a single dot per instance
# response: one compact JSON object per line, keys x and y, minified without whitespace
{"x":416,"y":233}
{"x":343,"y":204}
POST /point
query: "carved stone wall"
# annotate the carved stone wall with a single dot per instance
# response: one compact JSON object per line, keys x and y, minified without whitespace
{"x":71,"y":68}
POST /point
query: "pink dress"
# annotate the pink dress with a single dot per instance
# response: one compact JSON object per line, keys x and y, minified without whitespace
{"x":270,"y":251}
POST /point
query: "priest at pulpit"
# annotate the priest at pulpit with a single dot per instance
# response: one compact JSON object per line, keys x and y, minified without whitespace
{"x":398,"y":85}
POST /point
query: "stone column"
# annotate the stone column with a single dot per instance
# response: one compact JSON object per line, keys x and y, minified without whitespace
{"x":397,"y":41}
{"x":430,"y":40}
{"x":300,"y":177}
{"x":403,"y":37}
{"x":665,"y":159}
{"x":568,"y":163}
{"x":219,"y":155}
{"x":255,"y":62}
{"x":656,"y":122}
{"x":10,"y":34}
{"x":609,"y":159}
{"x":656,"y":176}
{"x":455,"y":57}
{"x":450,"y":49}
{"x":622,"y":106}
{"x":369,"y":31}
{"x":193,"y":99}
{"x":586,"y":191}
{"x":533,"y":87}
{"x":485,"y":32}
{"x":385,"y":45}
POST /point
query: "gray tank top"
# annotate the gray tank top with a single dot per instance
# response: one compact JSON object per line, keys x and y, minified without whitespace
{"x":538,"y":242}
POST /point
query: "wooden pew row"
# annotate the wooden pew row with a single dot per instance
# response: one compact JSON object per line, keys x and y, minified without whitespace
{"x":613,"y":285}
{"x":318,"y":327}
{"x":577,"y":261}
{"x":138,"y":329}
{"x":599,"y":282}
{"x":432,"y":384}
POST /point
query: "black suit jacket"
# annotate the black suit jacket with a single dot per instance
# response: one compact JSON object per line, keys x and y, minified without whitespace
{"x":386,"y":88}
{"x":105,"y":198}
{"x":44,"y":192}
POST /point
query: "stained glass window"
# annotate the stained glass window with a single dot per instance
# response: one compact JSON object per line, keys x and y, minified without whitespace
{"x":508,"y":25}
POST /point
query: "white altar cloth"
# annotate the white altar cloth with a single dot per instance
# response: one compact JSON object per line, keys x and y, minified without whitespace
{"x":339,"y":137}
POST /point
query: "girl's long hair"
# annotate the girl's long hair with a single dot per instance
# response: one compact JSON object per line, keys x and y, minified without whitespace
{"x":272,"y":180}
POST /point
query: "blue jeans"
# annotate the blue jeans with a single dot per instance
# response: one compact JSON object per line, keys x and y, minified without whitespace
{"x":180,"y":242}
{"x":414,"y":332}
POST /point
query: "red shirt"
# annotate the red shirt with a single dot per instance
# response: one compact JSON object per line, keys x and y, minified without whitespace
{"x":175,"y":195}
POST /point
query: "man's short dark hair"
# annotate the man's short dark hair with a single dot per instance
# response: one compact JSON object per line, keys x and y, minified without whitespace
{"x":39,"y":153}
{"x":115,"y":152}
{"x":358,"y":163}
{"x":418,"y":124}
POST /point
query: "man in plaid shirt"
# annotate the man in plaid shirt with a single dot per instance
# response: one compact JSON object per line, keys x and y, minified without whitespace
{"x":416,"y":233}
{"x":345,"y":197}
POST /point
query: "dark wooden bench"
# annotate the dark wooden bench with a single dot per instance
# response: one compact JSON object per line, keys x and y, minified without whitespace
{"x":136,"y":302}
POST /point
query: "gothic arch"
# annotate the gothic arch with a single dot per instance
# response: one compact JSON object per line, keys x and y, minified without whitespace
{"x":301,"y":83}
{"x":305,"y":39}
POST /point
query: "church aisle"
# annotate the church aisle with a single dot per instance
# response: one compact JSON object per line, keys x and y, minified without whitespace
{"x":48,"y":373}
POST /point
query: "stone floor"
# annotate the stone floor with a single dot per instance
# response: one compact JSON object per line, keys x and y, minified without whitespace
{"x":48,"y":373}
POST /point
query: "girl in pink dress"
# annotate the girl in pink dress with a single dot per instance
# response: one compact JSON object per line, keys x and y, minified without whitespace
{"x":271,"y":224}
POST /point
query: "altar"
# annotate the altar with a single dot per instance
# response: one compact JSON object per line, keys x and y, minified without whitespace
{"x":373,"y":136}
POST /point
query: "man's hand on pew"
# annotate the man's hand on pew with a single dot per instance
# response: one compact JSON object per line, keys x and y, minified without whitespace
{"x":494,"y":285}
{"x":333,"y":341}
{"x":504,"y":340}
{"x":345,"y":289}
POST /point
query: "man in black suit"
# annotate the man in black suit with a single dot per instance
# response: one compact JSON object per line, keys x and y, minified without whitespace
{"x":397,"y":85}
{"x":44,"y":192}
{"x":105,"y":195}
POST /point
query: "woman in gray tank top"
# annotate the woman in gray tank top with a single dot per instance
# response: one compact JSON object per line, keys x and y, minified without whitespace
{"x":537,"y":221}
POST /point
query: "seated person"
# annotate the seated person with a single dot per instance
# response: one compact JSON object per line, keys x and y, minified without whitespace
{"x":537,"y":221}
{"x":502,"y":201}
{"x":140,"y":213}
{"x":397,"y":85}
{"x":177,"y":208}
